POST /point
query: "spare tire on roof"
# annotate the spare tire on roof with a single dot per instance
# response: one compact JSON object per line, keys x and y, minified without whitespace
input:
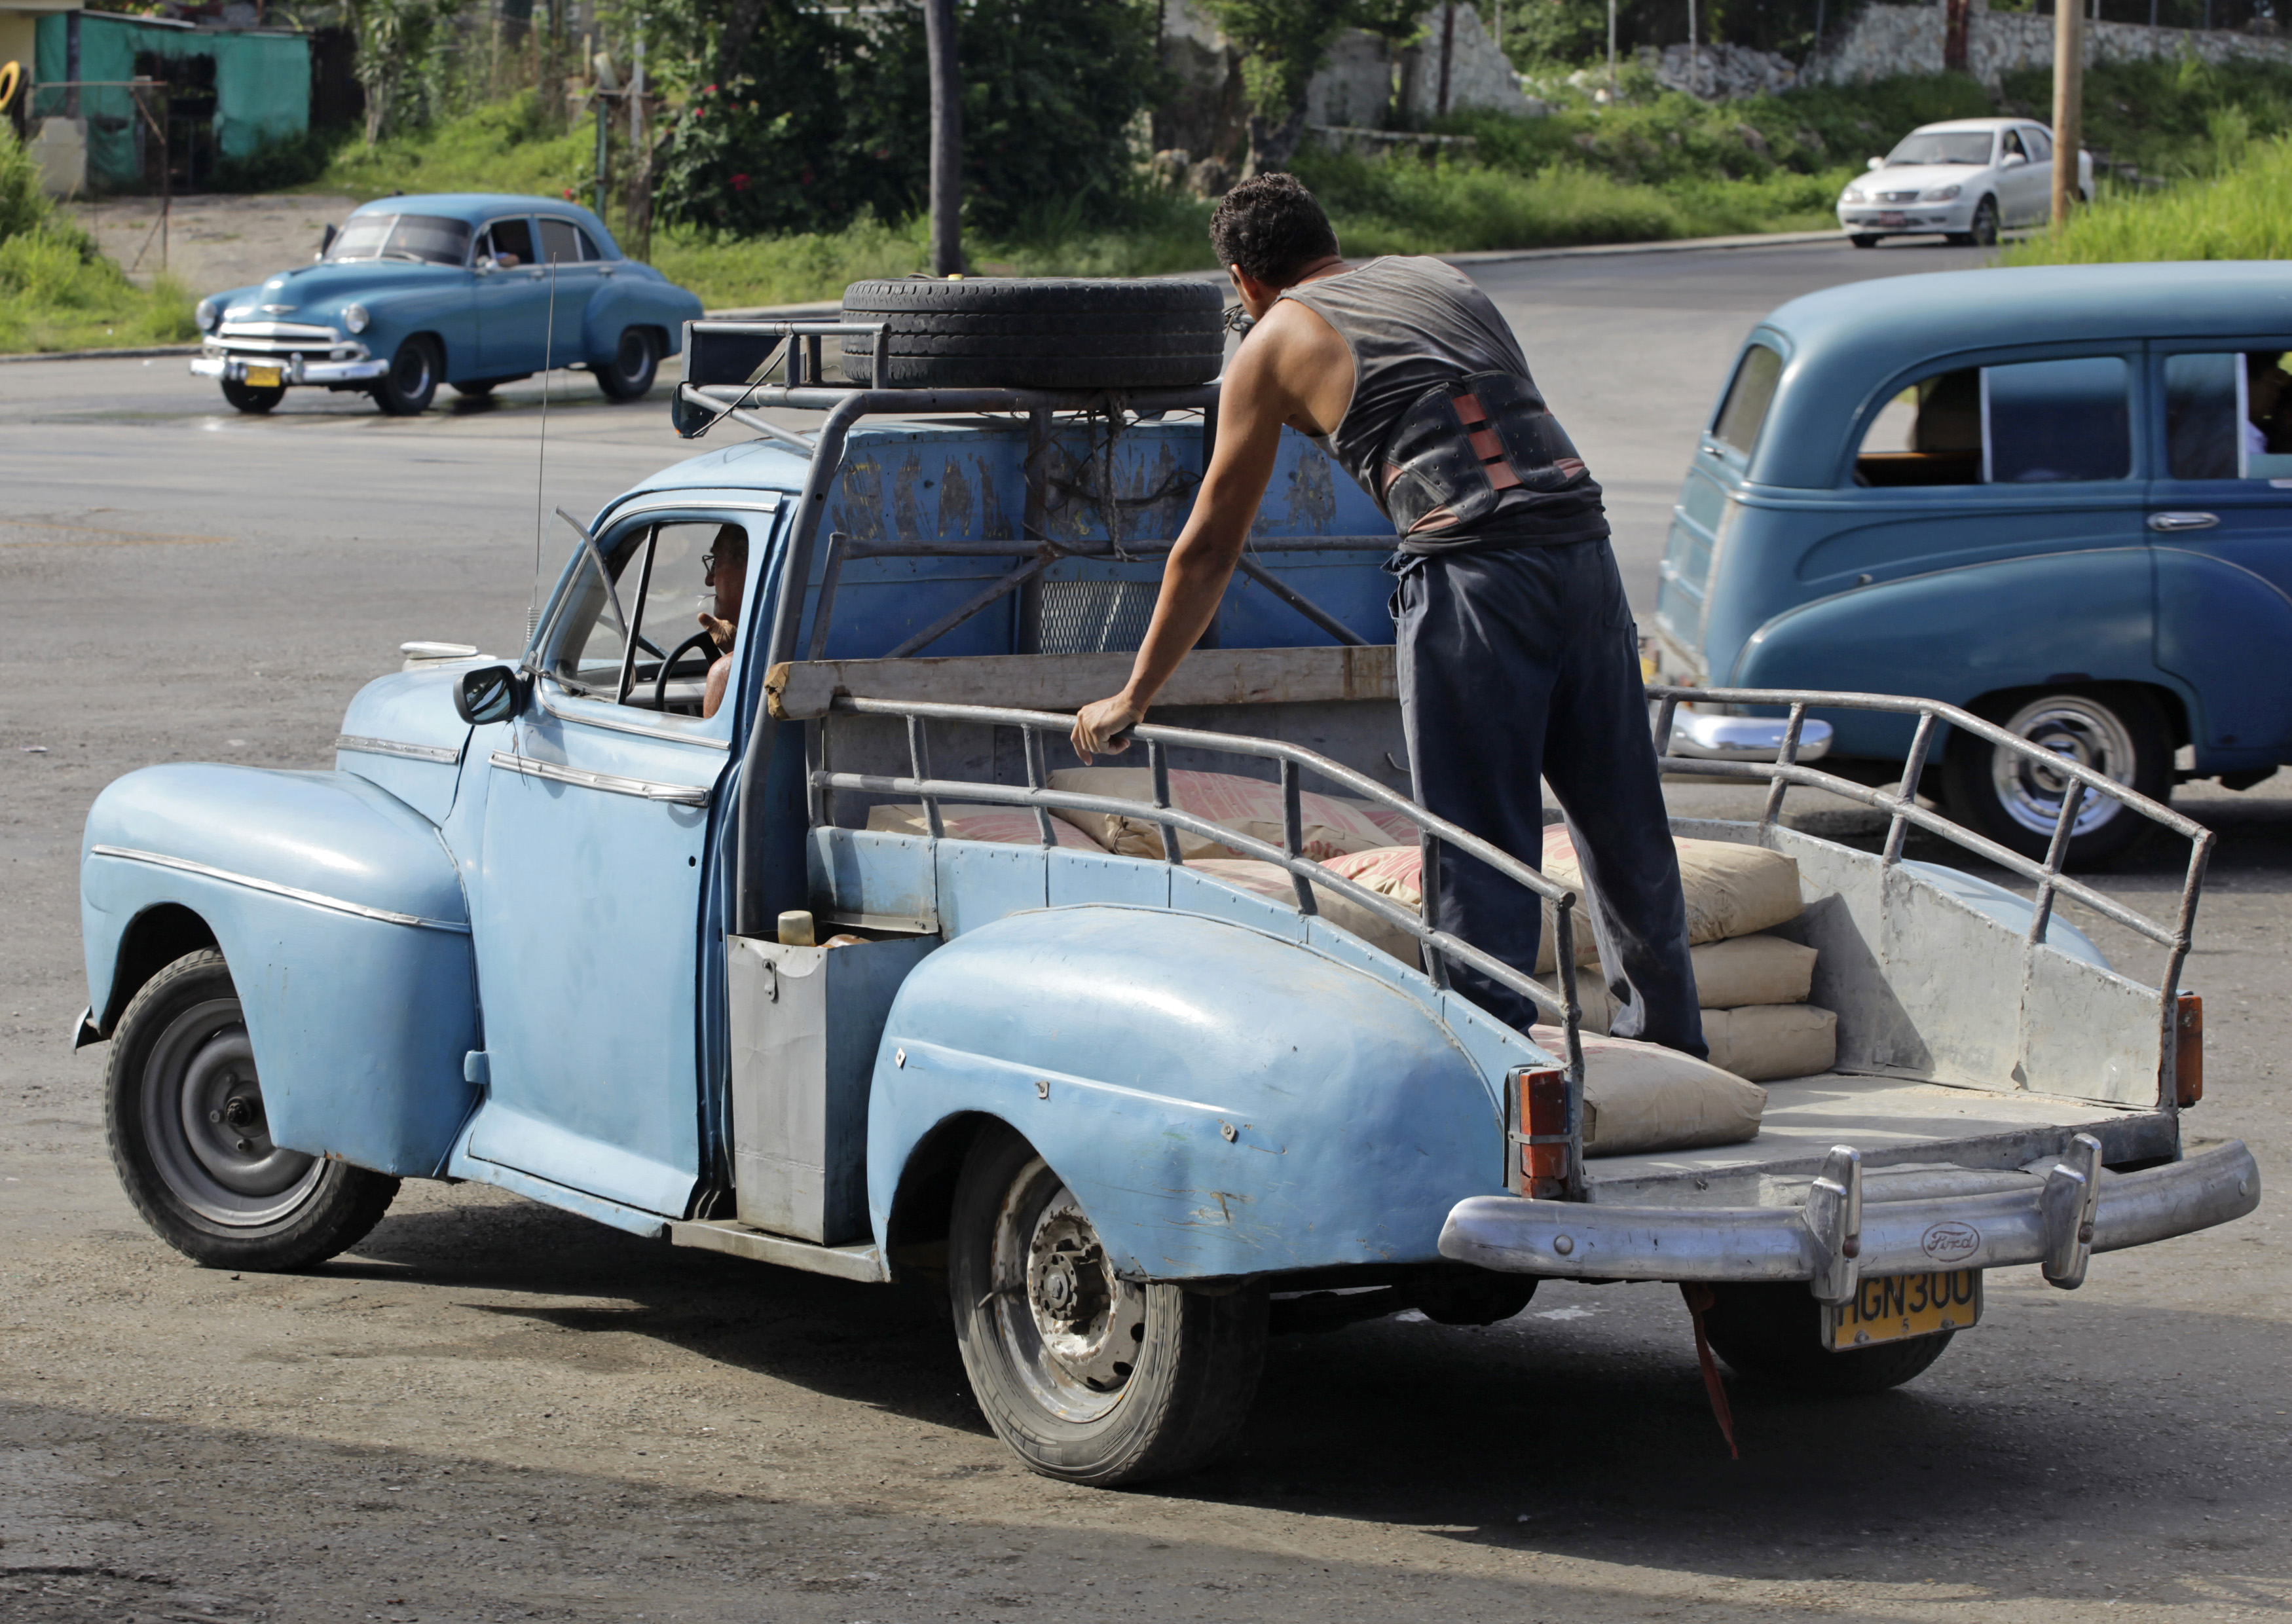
{"x":1038,"y":332}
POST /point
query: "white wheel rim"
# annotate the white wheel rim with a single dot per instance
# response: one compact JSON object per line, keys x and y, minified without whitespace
{"x":2074,"y":729}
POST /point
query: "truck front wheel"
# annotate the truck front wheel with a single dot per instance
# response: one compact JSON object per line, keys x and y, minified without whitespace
{"x":1087,"y":1376}
{"x":1771,"y":1334}
{"x":183,"y":1115}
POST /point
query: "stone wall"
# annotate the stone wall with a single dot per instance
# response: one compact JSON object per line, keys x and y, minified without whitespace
{"x":1719,"y":72}
{"x":1885,"y":40}
{"x":1479,"y":76}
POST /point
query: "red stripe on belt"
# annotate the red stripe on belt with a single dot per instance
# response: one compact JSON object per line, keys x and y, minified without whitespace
{"x":1485,"y":444}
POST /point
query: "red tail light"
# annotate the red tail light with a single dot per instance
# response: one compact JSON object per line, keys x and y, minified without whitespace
{"x":2189,"y":1050}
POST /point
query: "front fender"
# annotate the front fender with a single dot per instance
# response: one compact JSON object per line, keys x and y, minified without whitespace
{"x":1956,"y":634}
{"x":1222,"y":1102}
{"x":342,"y":920}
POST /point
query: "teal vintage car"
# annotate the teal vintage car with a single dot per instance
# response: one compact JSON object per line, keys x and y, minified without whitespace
{"x":468,"y":289}
{"x":2058,"y":497}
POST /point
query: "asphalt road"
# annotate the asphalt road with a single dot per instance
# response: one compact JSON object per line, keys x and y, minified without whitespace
{"x":492,"y":1409}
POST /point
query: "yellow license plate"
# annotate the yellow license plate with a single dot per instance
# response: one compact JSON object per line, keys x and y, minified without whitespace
{"x":1906,"y":1305}
{"x":265,"y":377}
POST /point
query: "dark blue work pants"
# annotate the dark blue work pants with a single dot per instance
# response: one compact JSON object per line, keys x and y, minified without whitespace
{"x":1520,"y":664}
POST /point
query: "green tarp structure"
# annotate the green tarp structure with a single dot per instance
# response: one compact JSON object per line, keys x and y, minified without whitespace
{"x":261,"y":81}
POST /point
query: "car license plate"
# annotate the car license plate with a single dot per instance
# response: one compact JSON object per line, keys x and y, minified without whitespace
{"x":1893,"y":219}
{"x":1906,"y":1305}
{"x":265,"y":377}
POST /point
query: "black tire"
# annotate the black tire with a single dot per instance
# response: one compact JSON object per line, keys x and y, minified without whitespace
{"x":1772,"y":1335}
{"x":1038,"y":332}
{"x":411,"y":383}
{"x":1863,"y":239}
{"x":253,"y":398}
{"x":2118,"y":728}
{"x":214,"y":1186}
{"x":1983,"y":227}
{"x":476,"y":388}
{"x":1082,"y":1413}
{"x":629,"y":376}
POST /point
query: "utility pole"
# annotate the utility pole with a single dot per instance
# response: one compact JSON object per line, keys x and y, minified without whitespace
{"x":1612,"y":47}
{"x":2068,"y":105}
{"x":945,"y":139}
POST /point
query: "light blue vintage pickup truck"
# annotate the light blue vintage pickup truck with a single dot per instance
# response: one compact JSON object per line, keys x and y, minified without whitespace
{"x":776,"y":982}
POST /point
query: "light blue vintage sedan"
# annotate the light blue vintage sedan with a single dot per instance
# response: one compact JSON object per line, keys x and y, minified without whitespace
{"x":2059,"y":497}
{"x":469,"y":289}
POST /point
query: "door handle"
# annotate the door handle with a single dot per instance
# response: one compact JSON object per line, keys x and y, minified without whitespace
{"x":2171,"y":523}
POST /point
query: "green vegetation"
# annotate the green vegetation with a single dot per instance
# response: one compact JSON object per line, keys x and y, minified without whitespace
{"x":2243,"y":213}
{"x":57,"y":291}
{"x":2171,"y":120}
{"x":510,"y":145}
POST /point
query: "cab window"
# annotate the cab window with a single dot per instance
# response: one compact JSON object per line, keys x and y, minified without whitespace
{"x":611,"y":645}
{"x":2039,"y":143}
{"x":2229,"y":416}
{"x":2010,"y":142}
{"x":2030,"y":422}
{"x":1744,"y":412}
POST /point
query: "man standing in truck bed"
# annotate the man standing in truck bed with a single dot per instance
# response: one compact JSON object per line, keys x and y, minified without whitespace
{"x":1517,"y":654}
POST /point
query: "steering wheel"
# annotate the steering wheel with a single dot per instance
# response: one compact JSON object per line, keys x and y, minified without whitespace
{"x":660,"y":683}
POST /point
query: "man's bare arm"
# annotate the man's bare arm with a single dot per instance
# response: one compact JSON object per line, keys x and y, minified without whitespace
{"x":1259,"y":396}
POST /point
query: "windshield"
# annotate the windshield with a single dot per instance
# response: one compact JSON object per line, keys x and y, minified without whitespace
{"x":1931,"y":147}
{"x":430,"y":239}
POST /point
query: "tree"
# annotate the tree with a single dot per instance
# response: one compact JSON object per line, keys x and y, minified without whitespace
{"x":1283,"y":44}
{"x":396,"y":50}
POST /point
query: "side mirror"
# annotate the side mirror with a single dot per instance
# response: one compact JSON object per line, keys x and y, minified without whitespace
{"x":490,"y":694}
{"x":326,"y":242}
{"x":2013,"y":160}
{"x":1876,"y":163}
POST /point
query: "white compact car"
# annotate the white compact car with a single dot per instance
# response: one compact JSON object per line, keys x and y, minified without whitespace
{"x":1965,"y":179}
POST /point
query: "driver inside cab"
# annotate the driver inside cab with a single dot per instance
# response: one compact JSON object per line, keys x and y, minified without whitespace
{"x":724,"y":567}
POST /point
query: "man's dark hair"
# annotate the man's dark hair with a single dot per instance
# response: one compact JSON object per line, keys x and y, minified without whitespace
{"x":1272,"y":227}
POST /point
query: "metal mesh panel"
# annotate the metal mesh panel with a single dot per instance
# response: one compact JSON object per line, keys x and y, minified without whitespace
{"x":1094,"y":616}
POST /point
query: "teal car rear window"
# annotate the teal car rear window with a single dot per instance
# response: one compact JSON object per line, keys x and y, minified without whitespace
{"x":1745,"y":409}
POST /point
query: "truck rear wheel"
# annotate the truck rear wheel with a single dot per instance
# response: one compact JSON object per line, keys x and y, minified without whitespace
{"x":1771,"y":1334}
{"x":184,"y":1116}
{"x":1087,"y":1376}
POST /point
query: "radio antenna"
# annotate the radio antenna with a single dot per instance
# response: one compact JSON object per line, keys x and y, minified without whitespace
{"x":541,"y":462}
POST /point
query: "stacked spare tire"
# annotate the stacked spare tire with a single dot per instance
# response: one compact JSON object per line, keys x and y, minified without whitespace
{"x":1059,"y":333}
{"x":1753,"y":984}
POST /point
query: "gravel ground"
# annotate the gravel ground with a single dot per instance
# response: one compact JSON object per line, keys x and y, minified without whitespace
{"x":493,"y":1410}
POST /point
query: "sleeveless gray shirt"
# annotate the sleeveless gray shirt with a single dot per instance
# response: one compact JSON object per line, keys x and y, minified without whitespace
{"x":1414,"y":325}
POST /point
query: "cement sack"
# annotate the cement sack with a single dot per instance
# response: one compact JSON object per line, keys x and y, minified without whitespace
{"x":1767,"y":1041}
{"x":1396,"y":872}
{"x":1639,"y":1097}
{"x":1328,"y":826}
{"x":1004,"y":825}
{"x":1400,"y":829}
{"x":1732,"y":890}
{"x":1266,"y":879}
{"x":1728,"y":976}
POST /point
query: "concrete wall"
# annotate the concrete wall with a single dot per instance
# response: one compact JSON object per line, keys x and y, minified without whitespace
{"x":1479,"y":76}
{"x":1883,"y":40}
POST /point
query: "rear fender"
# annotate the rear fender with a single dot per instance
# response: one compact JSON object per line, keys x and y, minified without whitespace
{"x":342,"y":920}
{"x":1222,"y":1102}
{"x":1956,"y":634}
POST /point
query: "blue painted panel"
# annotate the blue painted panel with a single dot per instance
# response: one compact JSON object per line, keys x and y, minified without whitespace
{"x":1087,"y":876}
{"x":980,"y":882}
{"x":650,"y":1225}
{"x":1358,"y":1123}
{"x":2228,"y":632}
{"x":864,"y":872}
{"x":358,"y":1024}
{"x":1197,"y":892}
{"x":588,"y":955}
{"x":411,"y":708}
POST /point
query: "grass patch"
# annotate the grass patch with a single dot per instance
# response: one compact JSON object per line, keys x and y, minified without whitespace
{"x":2243,"y":213}
{"x":57,"y":290}
{"x":509,"y":146}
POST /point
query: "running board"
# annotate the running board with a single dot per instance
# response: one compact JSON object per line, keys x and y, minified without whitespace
{"x":859,"y":1263}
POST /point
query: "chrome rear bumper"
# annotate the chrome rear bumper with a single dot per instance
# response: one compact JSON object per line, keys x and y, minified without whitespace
{"x":1587,"y":1240}
{"x":293,"y":369}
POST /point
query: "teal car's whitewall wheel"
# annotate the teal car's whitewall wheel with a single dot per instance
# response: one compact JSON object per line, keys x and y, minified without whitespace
{"x":191,"y":1141}
{"x":2117,"y":730}
{"x":1088,"y":1377}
